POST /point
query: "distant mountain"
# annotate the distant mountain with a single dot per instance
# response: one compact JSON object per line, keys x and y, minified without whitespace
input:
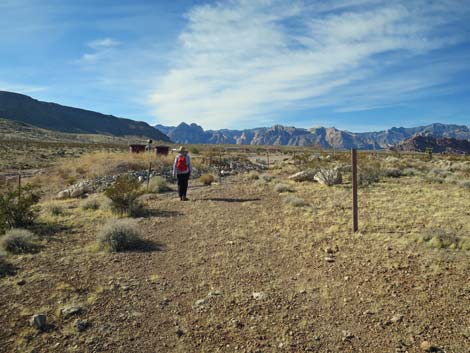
{"x":52,"y":116}
{"x":324,"y":137}
{"x":419,"y":143}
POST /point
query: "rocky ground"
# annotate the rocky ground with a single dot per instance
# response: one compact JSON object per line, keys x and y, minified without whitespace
{"x":235,"y":269}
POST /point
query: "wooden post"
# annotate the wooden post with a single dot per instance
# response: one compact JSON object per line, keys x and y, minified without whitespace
{"x":148,"y":175}
{"x":19,"y":186}
{"x":267,"y":158}
{"x":354,"y":189}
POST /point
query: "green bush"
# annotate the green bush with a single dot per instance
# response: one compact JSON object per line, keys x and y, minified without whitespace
{"x":158,"y":185}
{"x":369,"y":175}
{"x":207,"y":179}
{"x":123,"y":195}
{"x":19,"y":241}
{"x":119,"y":235}
{"x":16,"y":207}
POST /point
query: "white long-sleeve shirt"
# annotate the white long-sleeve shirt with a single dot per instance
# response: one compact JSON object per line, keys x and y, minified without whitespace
{"x":189,"y":169}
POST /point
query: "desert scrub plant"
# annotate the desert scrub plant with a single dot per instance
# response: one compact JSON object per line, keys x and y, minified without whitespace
{"x":206,"y":179}
{"x":90,"y":204}
{"x":253,"y":176}
{"x":123,"y":195}
{"x":55,"y":209}
{"x":19,"y":241}
{"x":392,"y":172}
{"x":16,"y":207}
{"x":267,"y":178}
{"x":6,"y":269}
{"x":369,"y":175}
{"x":158,"y":185}
{"x":280,"y":188}
{"x":119,"y":235}
{"x":294,"y":201}
{"x":441,"y":239}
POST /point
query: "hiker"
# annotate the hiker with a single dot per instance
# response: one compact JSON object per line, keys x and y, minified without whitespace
{"x":182,"y":170}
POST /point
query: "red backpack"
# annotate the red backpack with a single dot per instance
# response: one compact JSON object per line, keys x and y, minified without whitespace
{"x":181,"y":164}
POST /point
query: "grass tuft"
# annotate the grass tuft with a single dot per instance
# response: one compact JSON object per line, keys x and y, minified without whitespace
{"x":280,"y":188}
{"x":19,"y":241}
{"x":119,"y":235}
{"x":294,"y":201}
{"x":207,"y":179}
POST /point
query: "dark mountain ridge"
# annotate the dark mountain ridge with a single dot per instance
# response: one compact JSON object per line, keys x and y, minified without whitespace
{"x":321,"y":136}
{"x":56,"y":117}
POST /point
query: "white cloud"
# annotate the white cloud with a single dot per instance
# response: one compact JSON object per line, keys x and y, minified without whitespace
{"x":242,"y":60}
{"x":104,"y":43}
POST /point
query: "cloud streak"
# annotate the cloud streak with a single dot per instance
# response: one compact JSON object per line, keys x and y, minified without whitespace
{"x":245,"y":60}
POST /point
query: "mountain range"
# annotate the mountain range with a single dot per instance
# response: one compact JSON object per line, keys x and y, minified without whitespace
{"x":55,"y":117}
{"x":323,"y":137}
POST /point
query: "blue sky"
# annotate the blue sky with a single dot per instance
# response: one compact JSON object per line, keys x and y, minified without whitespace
{"x":360,"y":65}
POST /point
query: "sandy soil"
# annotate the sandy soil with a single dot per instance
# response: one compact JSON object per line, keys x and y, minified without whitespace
{"x":236,"y":270}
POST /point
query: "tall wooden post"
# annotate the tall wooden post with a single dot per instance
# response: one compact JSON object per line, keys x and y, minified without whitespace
{"x":354,"y":189}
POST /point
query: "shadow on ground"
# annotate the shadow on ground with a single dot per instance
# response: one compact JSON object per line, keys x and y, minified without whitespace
{"x":224,"y":199}
{"x":7,"y":269}
{"x":148,"y":246}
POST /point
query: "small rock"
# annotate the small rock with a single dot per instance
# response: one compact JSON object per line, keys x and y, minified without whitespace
{"x":215,"y":293}
{"x":21,"y":282}
{"x":81,"y":325}
{"x":258,"y":295}
{"x":71,"y":311}
{"x":201,"y":302}
{"x":329,"y":259}
{"x":426,"y":346}
{"x":65,"y":194}
{"x":39,"y":321}
{"x":396,"y":318}
{"x":347,"y":335}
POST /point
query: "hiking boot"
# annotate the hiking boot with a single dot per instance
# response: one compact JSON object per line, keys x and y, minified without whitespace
{"x":184,"y":199}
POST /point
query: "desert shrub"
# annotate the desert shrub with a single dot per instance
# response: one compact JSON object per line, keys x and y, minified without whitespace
{"x":90,"y":204}
{"x":123,"y":195}
{"x":409,"y":172}
{"x":294,"y":201}
{"x":438,"y":173}
{"x":55,"y":209}
{"x":465,"y":184}
{"x":16,"y":207}
{"x":18,"y":241}
{"x":194,"y":150}
{"x":119,"y":235}
{"x":392,"y":172}
{"x":261,"y":183}
{"x":282,"y":188}
{"x":158,"y":185}
{"x":253,"y":176}
{"x":369,"y":175}
{"x":441,"y":239}
{"x":267,"y":178}
{"x":206,"y":179}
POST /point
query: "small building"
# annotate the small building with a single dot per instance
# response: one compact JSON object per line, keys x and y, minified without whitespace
{"x":137,"y":148}
{"x":162,"y":150}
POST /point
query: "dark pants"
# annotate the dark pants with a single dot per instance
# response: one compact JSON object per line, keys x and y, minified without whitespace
{"x":182,"y":184}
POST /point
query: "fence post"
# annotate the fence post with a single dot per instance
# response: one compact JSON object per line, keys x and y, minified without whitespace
{"x":148,"y":175}
{"x":19,"y":186}
{"x":354,"y":189}
{"x":267,"y":158}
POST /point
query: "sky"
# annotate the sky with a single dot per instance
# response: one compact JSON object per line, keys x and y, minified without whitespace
{"x":359,"y":65}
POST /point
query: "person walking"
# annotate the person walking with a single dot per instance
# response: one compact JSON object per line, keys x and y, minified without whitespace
{"x":182,"y":171}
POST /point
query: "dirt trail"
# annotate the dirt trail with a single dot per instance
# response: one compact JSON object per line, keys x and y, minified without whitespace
{"x":238,"y":272}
